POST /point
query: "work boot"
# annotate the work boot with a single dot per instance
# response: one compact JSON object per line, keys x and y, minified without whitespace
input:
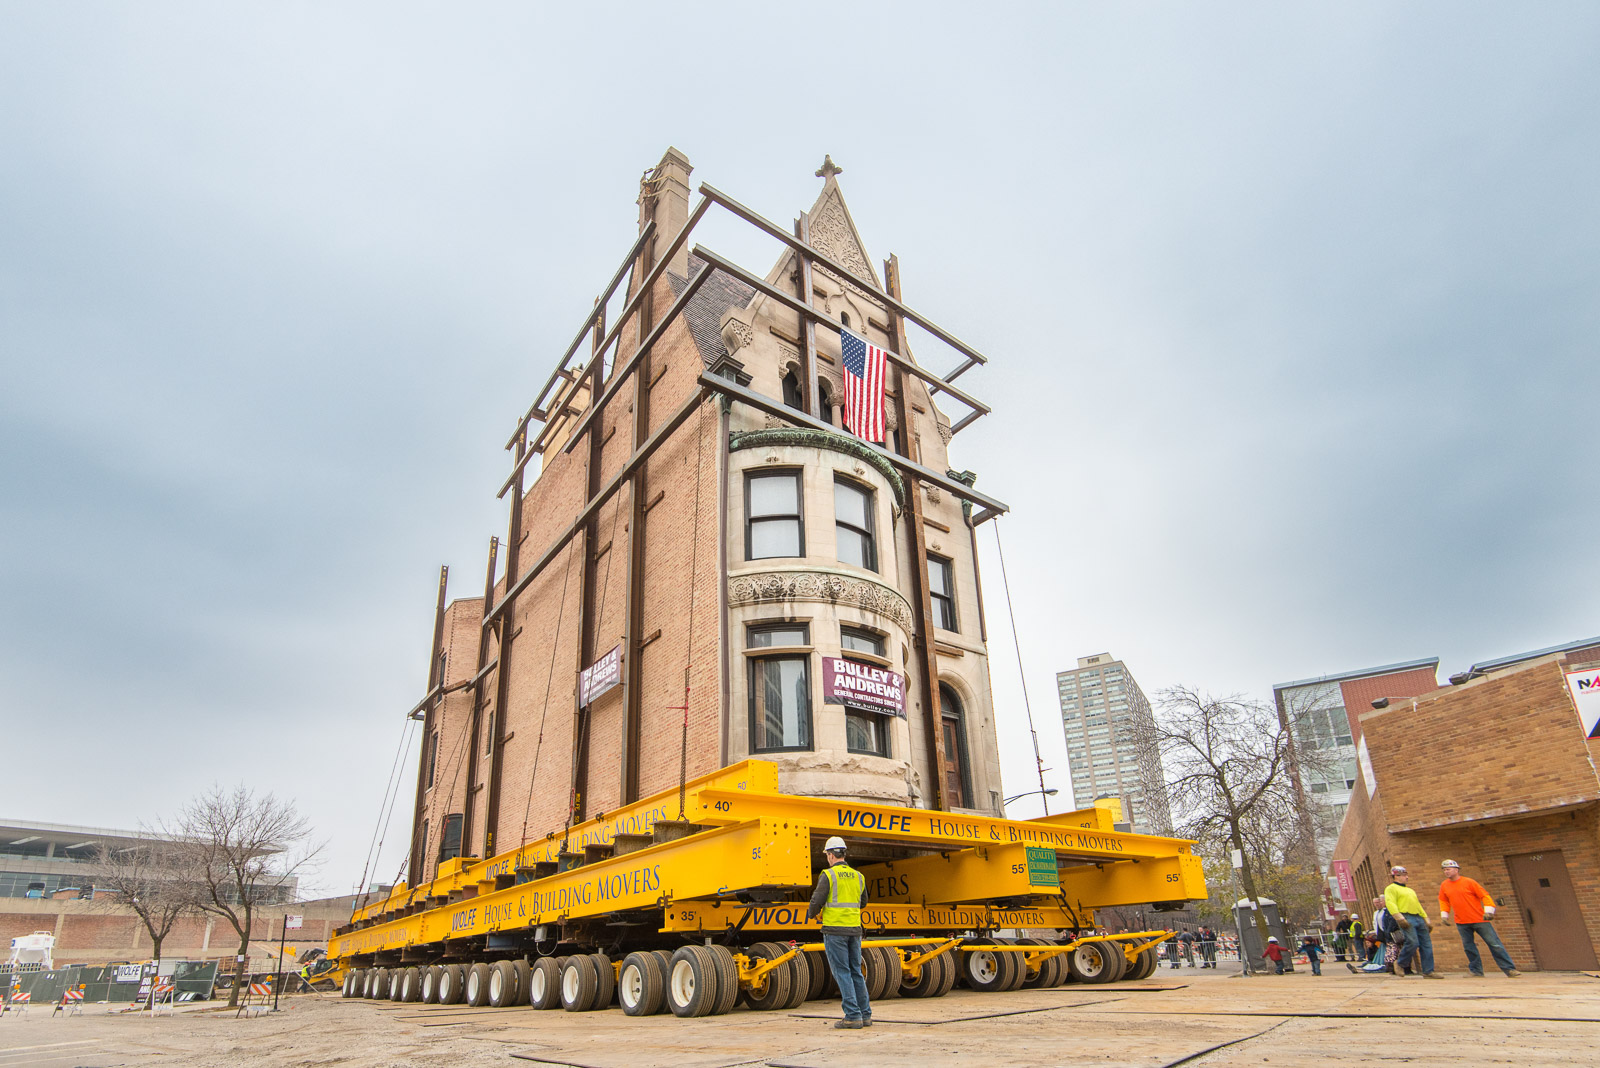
{"x":1353,"y":969}
{"x":1476,"y":975}
{"x":847,"y":1025}
{"x":866,"y":1021}
{"x":1513,"y":974}
{"x":1432,"y":975}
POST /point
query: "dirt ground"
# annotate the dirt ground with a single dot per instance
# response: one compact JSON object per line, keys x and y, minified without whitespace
{"x":1185,"y":1017}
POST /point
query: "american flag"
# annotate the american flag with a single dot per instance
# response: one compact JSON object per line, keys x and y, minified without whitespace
{"x":864,"y":365}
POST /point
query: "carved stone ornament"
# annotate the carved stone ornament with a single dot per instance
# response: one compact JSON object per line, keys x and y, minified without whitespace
{"x":831,"y":235}
{"x":736,"y":333}
{"x":821,"y":586}
{"x":932,"y":493}
{"x":945,"y":433}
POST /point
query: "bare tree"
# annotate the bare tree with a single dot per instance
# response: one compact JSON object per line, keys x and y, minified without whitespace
{"x":1227,"y":761}
{"x":243,"y":849}
{"x":151,"y":877}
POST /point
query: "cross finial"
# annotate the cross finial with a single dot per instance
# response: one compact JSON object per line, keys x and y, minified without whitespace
{"x":828,"y":168}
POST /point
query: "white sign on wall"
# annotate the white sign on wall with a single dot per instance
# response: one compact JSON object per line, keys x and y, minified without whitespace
{"x":1585,"y":689}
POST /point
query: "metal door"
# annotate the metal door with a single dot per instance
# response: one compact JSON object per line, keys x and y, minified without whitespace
{"x":1550,"y":911}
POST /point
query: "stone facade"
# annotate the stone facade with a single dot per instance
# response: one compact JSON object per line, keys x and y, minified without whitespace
{"x":703,"y":595}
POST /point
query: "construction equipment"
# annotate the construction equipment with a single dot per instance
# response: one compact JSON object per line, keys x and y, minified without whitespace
{"x":689,"y":915}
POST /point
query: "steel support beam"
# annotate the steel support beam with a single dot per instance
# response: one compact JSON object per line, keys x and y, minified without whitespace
{"x":960,"y":490}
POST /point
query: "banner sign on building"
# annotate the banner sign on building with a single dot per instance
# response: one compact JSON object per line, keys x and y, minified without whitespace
{"x":600,"y":676}
{"x":1347,"y":882}
{"x":850,"y":682}
{"x":1585,"y":688}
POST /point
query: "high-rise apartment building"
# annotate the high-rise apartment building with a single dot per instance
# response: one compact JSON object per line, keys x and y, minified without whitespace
{"x":1102,"y":708}
{"x":1322,"y":715}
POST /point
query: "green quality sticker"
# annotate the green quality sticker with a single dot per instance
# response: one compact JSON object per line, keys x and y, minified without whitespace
{"x":1042,"y":867}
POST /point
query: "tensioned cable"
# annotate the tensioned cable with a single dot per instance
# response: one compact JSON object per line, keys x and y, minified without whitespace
{"x":1016,"y":644}
{"x":688,"y":653}
{"x":380,"y":825}
{"x":555,"y":646}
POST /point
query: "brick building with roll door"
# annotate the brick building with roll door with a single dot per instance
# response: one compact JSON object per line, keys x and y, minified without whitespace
{"x":1494,"y":772}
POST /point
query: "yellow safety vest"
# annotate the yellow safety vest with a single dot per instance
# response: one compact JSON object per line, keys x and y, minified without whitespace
{"x":845,"y":886}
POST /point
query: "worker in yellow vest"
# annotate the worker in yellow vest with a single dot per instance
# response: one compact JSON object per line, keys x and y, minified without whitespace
{"x":840,"y":895}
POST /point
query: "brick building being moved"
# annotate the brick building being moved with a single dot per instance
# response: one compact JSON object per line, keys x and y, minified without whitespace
{"x":1497,"y":772}
{"x":704,"y":565}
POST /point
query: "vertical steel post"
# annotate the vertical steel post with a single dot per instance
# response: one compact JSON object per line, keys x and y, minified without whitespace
{"x":922,"y":603}
{"x":277,"y":983}
{"x":809,"y":393}
{"x":502,"y":689}
{"x":418,"y":848}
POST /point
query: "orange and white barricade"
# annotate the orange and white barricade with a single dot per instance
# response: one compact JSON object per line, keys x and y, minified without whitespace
{"x":19,"y":1001}
{"x":71,"y":1001}
{"x":161,"y":994}
{"x":255,"y":999}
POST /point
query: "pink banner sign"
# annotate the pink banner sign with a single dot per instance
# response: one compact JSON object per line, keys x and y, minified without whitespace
{"x":1347,"y":883}
{"x":850,"y":682}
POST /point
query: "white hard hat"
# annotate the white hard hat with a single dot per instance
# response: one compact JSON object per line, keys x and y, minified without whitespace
{"x":1449,"y":864}
{"x":834,"y":845}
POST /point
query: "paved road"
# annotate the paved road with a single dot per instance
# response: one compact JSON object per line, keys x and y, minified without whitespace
{"x":1185,"y":1017}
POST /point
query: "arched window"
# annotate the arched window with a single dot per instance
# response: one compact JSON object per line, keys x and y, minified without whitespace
{"x":844,"y":317}
{"x":822,"y":402}
{"x":791,"y":391}
{"x":953,"y":722}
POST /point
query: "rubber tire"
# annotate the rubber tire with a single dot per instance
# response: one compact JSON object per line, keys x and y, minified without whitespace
{"x":355,"y":982}
{"x":522,"y":970}
{"x":1092,"y":963}
{"x":935,"y":980}
{"x":1018,"y":966}
{"x":411,"y":985}
{"x":397,"y":984}
{"x":430,"y":985}
{"x":606,"y":988}
{"x":882,"y":967}
{"x":544,"y":984}
{"x":778,"y":988}
{"x":641,"y":986}
{"x":477,"y":985}
{"x":799,"y":980}
{"x":727,"y":979}
{"x":579,"y":983}
{"x":1048,"y":974}
{"x":821,"y":975}
{"x":988,"y":972}
{"x":452,"y":985}
{"x":1144,"y":967}
{"x":503,"y":989}
{"x":692,"y":983}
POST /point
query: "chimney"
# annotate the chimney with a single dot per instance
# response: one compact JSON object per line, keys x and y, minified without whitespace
{"x":664,"y":197}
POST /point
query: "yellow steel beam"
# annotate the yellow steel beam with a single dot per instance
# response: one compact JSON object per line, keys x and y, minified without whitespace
{"x":789,"y":919}
{"x":888,"y":823}
{"x":758,"y":776}
{"x":760,"y":853}
{"x":986,"y":873}
{"x":1097,"y":886}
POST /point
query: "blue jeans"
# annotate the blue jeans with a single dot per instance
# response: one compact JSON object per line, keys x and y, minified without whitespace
{"x":1484,"y":930}
{"x":844,"y":960}
{"x":1416,"y":942}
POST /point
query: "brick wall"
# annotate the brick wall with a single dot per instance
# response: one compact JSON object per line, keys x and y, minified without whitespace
{"x":1471,"y":774}
{"x":1360,"y":693}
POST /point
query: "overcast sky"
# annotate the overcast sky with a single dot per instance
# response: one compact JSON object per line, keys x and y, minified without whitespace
{"x":1291,"y":316}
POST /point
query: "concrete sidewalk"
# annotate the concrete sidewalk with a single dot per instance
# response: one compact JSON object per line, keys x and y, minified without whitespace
{"x":1186,"y":1017}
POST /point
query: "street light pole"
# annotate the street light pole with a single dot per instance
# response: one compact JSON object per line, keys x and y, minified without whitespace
{"x":1050,"y":792}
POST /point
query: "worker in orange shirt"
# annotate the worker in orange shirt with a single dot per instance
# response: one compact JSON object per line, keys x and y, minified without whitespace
{"x":1469,"y":905}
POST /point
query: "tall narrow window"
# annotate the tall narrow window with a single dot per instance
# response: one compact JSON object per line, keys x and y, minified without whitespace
{"x":423,"y":845}
{"x":791,"y":392}
{"x":450,"y":837}
{"x":773,"y":526}
{"x":953,"y":720}
{"x":866,"y":730}
{"x":941,"y":586}
{"x":431,"y":758}
{"x":827,"y":409}
{"x":488,"y":737}
{"x":852,"y":513}
{"x":780,"y":689}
